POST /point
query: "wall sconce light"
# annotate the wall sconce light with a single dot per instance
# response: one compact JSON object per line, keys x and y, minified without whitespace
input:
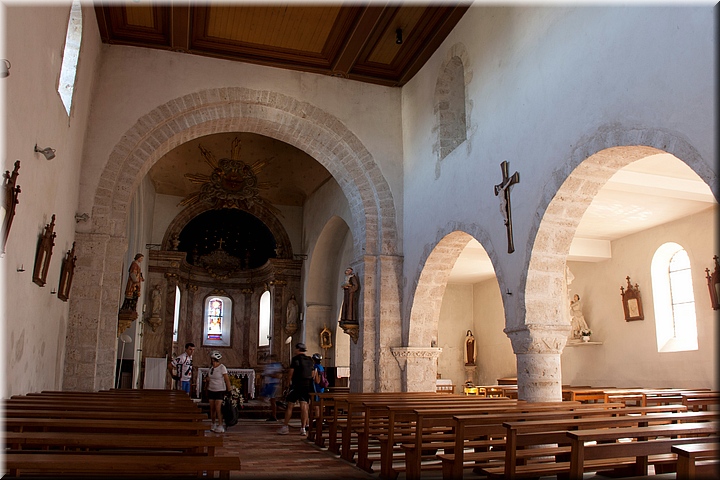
{"x":48,"y":152}
{"x":21,"y":269}
{"x":81,"y":218}
{"x":713,"y":280}
{"x":4,"y":68}
{"x":398,"y":36}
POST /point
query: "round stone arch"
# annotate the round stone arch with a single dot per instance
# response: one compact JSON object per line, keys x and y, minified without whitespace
{"x":90,"y":362}
{"x":282,"y":240}
{"x":539,"y":335}
{"x":314,"y":131}
{"x":425,"y":302}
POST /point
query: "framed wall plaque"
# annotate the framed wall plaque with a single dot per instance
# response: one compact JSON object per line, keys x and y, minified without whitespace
{"x":46,"y":242}
{"x":11,"y":192}
{"x":66,"y":274}
{"x":632,"y":303}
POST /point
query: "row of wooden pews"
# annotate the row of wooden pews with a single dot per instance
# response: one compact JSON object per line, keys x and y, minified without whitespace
{"x":509,"y":438}
{"x":112,"y":433}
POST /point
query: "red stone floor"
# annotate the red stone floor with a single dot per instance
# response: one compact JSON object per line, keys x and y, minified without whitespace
{"x":266,"y":455}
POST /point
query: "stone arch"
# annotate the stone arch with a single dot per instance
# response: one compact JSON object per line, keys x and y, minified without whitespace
{"x":451,"y":106}
{"x":89,"y":364}
{"x":539,"y":334}
{"x":283,"y":118}
{"x":263,"y":214}
{"x":432,"y":277}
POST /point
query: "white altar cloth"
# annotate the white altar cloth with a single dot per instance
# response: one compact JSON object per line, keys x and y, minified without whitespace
{"x":241,"y":372}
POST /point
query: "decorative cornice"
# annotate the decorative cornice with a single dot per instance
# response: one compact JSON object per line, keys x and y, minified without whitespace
{"x":415,"y":352}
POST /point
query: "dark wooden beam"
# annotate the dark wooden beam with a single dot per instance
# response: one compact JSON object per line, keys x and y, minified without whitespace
{"x":180,"y":27}
{"x":433,"y":43}
{"x":356,"y":39}
{"x":102,"y":21}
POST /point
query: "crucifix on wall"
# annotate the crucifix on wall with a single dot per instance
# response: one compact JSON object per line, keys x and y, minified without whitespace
{"x":503,"y":189}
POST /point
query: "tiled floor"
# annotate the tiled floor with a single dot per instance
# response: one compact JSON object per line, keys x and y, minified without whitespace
{"x":266,"y":455}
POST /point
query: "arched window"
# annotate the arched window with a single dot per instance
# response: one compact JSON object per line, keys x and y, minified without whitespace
{"x":176,"y":317}
{"x":68,"y":70}
{"x":264,"y":328}
{"x":673,"y":299}
{"x":218,"y":320}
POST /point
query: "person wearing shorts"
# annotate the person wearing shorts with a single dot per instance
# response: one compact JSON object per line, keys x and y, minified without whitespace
{"x":300,"y":373}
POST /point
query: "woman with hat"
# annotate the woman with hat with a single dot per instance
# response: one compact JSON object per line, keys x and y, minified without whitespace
{"x":218,"y":384}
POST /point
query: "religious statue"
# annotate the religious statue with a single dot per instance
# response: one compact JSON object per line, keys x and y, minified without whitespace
{"x":134,"y":281}
{"x":291,"y":316}
{"x":577,"y":319}
{"x":348,"y":314}
{"x":156,"y":300}
{"x":469,"y":349}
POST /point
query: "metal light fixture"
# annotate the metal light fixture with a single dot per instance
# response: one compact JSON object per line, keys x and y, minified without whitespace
{"x":4,"y":68}
{"x":48,"y":152}
{"x":398,"y":36}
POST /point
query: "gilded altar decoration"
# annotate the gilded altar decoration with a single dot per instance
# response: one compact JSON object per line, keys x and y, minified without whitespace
{"x":232,"y":183}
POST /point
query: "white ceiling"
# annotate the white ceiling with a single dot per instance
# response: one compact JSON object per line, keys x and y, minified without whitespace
{"x":649,"y":192}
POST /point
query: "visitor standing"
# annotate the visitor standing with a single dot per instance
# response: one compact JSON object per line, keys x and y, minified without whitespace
{"x":300,"y":374}
{"x":218,"y":382}
{"x":183,"y":366}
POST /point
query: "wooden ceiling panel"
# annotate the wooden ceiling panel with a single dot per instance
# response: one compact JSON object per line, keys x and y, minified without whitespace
{"x":351,"y":40}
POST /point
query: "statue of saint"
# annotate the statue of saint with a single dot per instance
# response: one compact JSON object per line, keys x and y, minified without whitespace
{"x":469,"y":349}
{"x":577,"y":319}
{"x":349,"y":307}
{"x":291,"y":316}
{"x":156,"y":301}
{"x":132,"y":288}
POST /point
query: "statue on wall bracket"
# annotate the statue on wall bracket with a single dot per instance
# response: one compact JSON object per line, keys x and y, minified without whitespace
{"x":291,"y":316}
{"x":128,"y":310}
{"x":348,"y":315}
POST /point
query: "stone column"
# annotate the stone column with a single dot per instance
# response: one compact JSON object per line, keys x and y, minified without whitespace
{"x":91,"y":341}
{"x":538,"y":349}
{"x":420,"y":367}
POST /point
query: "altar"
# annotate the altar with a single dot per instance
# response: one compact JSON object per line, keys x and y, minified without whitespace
{"x":248,"y":383}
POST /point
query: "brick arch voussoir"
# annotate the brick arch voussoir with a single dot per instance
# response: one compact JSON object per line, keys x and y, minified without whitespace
{"x":275,"y":115}
{"x":590,"y":166}
{"x":432,"y":281}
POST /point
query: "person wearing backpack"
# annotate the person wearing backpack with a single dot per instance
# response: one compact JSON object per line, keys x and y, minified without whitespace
{"x":300,"y":373}
{"x":320,"y":381}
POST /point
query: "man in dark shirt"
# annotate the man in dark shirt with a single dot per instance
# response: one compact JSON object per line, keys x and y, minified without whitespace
{"x":300,"y":373}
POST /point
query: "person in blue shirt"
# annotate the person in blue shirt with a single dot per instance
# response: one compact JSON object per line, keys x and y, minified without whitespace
{"x":318,"y":370}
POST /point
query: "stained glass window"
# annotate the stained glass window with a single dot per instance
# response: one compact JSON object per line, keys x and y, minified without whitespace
{"x":217,"y":321}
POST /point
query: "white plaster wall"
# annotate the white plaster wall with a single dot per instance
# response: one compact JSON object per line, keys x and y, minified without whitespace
{"x":628,"y":356}
{"x":456,"y":318}
{"x":371,"y":112}
{"x":543,"y":81}
{"x":495,"y":357}
{"x":34,"y":38}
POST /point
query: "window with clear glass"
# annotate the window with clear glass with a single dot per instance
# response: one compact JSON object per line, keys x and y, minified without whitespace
{"x":176,"y":317}
{"x":71,"y":54}
{"x":673,"y":299}
{"x":264,"y":327}
{"x":218,"y":320}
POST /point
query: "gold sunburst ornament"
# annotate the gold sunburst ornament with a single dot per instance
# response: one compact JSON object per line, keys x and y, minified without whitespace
{"x":232,"y":183}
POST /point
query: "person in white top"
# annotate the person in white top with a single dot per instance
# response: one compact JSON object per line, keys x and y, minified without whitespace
{"x":218,"y":382}
{"x":183,"y":366}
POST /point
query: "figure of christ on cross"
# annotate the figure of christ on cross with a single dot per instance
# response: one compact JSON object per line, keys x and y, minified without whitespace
{"x":504,"y":187}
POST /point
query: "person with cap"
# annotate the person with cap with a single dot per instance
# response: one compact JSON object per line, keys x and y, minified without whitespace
{"x":218,"y":382}
{"x":300,"y":374}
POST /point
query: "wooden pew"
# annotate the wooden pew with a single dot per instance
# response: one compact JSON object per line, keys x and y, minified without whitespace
{"x":102,"y":414}
{"x":697,"y":460}
{"x":470,"y":427}
{"x":530,"y":434}
{"x":696,"y":401}
{"x":73,"y":465}
{"x":23,"y":424}
{"x":603,"y":455}
{"x":110,"y":441}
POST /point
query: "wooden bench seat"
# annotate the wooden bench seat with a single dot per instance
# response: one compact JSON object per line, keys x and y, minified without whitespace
{"x":646,"y":443}
{"x":73,"y":465}
{"x":20,"y":424}
{"x":103,"y":414}
{"x":111,"y":441}
{"x":697,"y":460}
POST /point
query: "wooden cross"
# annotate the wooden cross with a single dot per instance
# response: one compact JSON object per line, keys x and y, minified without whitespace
{"x":504,"y":187}
{"x":221,"y":241}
